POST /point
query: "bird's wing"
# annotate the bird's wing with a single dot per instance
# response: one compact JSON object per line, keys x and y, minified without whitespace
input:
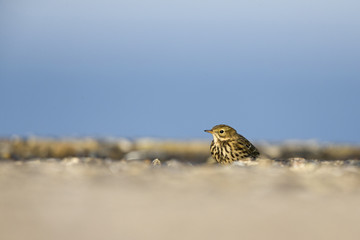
{"x":248,"y":146}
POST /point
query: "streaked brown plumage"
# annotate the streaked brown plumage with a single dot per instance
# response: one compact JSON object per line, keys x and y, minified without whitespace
{"x":229,"y":146}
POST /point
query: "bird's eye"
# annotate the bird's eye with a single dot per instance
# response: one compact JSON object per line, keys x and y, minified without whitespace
{"x":221,"y":131}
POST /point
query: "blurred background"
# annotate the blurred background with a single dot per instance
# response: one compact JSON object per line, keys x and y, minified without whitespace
{"x":274,"y":70}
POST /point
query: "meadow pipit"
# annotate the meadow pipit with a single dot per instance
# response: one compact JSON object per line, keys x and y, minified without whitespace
{"x":229,"y":146}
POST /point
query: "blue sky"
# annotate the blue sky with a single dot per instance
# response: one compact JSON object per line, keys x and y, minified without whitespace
{"x":274,"y":70}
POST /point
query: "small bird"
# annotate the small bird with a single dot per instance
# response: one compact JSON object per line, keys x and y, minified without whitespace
{"x":229,"y":146}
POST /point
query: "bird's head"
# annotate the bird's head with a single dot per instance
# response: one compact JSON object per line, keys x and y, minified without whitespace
{"x":222,"y":132}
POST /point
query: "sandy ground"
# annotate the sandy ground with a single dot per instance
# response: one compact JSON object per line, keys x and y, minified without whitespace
{"x":86,"y":198}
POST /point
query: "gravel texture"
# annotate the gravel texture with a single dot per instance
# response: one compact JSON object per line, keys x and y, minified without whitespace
{"x":103,"y":198}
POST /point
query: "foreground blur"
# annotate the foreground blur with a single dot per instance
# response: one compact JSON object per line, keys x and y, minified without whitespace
{"x":174,"y":197}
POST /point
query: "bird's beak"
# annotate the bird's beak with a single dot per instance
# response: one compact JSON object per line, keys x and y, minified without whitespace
{"x":209,"y":131}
